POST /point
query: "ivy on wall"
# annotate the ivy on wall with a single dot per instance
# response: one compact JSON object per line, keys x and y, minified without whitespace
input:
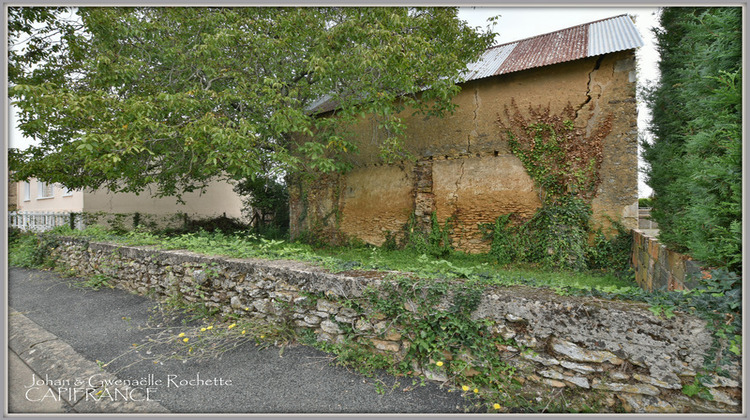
{"x":562,"y":159}
{"x":564,"y":162}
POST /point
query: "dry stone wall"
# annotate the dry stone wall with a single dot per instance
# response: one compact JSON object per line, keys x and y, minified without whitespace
{"x":659,"y":268}
{"x":617,"y":352}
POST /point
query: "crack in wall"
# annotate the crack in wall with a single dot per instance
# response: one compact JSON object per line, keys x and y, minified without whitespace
{"x":475,"y":120}
{"x":458,"y":181}
{"x":588,"y":85}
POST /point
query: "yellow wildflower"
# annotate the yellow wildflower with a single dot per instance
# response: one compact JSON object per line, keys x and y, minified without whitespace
{"x":203,"y":329}
{"x":439,"y":364}
{"x":231,"y":326}
{"x":243,"y":331}
{"x":496,"y":406}
{"x":476,"y":390}
{"x":209,"y":327}
{"x":181,"y":335}
{"x":465,"y":388}
{"x":185,"y":339}
{"x":262,"y":336}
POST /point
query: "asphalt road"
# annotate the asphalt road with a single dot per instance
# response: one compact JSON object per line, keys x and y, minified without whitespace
{"x":88,"y":326}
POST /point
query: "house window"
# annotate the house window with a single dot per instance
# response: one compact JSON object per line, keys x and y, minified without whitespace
{"x":46,"y":190}
{"x":26,"y":191}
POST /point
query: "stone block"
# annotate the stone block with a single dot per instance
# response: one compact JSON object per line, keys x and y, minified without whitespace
{"x":545,"y":360}
{"x":348,"y":312}
{"x":330,"y":327}
{"x":579,"y":367}
{"x":578,"y":381}
{"x":553,"y":382}
{"x":344,"y":319}
{"x":328,"y":306}
{"x":389,"y":346}
{"x":722,"y":397}
{"x":362,"y":325}
{"x":623,"y":387}
{"x":637,"y":403}
{"x":579,"y":354}
{"x":552,"y":374}
{"x":674,"y":383}
{"x":714,"y":381}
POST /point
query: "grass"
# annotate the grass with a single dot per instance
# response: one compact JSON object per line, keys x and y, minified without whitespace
{"x":479,"y":267}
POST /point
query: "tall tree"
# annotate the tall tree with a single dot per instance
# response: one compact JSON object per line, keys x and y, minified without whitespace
{"x":696,"y":158}
{"x":38,"y":35}
{"x":175,"y":97}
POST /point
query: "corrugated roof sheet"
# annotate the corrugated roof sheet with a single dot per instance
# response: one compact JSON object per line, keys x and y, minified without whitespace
{"x":615,"y":34}
{"x":587,"y":40}
{"x":490,"y":61}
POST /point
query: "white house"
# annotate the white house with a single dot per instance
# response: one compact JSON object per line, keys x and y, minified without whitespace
{"x":218,"y":200}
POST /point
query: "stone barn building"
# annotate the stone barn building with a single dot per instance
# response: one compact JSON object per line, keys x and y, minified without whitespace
{"x":464,"y":168}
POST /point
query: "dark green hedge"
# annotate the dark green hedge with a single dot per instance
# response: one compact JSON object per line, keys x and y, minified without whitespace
{"x":696,"y":157}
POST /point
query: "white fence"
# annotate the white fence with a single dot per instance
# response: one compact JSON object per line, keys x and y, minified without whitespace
{"x":40,"y":221}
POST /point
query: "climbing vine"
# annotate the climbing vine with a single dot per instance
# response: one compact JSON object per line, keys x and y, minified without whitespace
{"x":561,"y":158}
{"x":564,"y":162}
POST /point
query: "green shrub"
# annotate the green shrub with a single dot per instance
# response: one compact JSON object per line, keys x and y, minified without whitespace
{"x":504,"y":239}
{"x":435,"y":242}
{"x":30,"y":250}
{"x":611,"y":254}
{"x":557,"y":237}
{"x":221,"y":223}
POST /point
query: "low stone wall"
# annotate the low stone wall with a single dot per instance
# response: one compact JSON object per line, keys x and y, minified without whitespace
{"x":658,"y":268}
{"x":617,"y":352}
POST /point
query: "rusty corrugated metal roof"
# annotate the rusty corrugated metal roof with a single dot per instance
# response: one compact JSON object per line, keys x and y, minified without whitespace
{"x":604,"y":36}
{"x":587,"y":40}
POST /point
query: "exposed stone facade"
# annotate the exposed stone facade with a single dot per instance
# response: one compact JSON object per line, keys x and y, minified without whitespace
{"x":464,"y":168}
{"x":659,"y":268}
{"x":617,"y":349}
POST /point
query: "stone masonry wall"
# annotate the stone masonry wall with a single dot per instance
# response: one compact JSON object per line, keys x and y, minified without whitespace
{"x":619,"y":351}
{"x":659,"y":268}
{"x":462,"y":167}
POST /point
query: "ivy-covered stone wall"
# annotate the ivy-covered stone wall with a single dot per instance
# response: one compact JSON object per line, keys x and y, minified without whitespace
{"x":616,"y":353}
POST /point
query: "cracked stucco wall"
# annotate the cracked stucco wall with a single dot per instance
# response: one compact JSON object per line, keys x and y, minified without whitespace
{"x":464,"y":168}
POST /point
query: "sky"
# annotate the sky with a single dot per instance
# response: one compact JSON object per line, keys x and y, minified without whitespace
{"x":517,"y":23}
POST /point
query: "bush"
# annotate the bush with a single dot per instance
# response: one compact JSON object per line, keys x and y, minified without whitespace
{"x":29,"y":250}
{"x":557,"y":236}
{"x":611,"y":254}
{"x":435,"y":242}
{"x":503,"y":237}
{"x":221,"y":223}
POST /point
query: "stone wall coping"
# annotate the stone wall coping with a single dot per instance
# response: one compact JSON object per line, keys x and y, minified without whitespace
{"x":522,"y":292}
